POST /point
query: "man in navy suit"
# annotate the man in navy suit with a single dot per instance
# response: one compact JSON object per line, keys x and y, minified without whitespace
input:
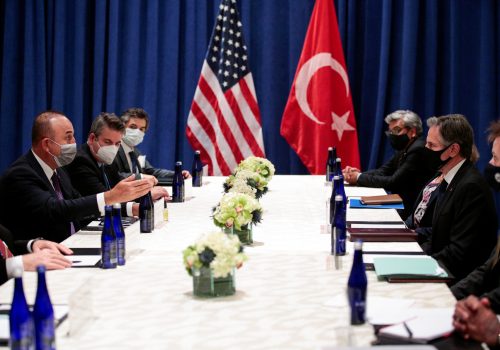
{"x":34,"y":252}
{"x":464,"y":223}
{"x":136,"y":122}
{"x":93,"y":171}
{"x":38,"y":197}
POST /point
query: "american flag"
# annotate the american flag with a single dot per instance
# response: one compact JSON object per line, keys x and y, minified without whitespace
{"x":224,"y":120}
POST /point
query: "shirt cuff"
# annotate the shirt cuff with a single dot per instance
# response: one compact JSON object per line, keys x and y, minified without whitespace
{"x":30,"y":243}
{"x":357,"y":177}
{"x":101,"y":203}
{"x":130,"y":205}
{"x":14,"y":263}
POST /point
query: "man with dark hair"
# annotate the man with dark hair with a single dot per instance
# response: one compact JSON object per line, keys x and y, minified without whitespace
{"x":136,"y":121}
{"x":39,"y":199}
{"x":406,"y":172}
{"x":463,"y":223}
{"x":93,"y":170}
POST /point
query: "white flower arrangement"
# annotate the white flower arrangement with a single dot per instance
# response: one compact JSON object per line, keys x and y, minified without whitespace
{"x":237,"y":210}
{"x":249,"y":178}
{"x":240,"y":185}
{"x":217,"y":251}
{"x":259,"y":165}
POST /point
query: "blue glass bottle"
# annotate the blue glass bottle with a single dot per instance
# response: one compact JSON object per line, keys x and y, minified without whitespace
{"x":119,"y":233}
{"x":339,"y":227}
{"x":43,"y":315}
{"x":331,"y":163}
{"x":178,"y":184}
{"x":338,"y":166}
{"x":108,"y":241}
{"x":146,"y":213}
{"x":338,"y":188}
{"x":20,"y":318}
{"x":356,"y":286}
{"x":197,"y":170}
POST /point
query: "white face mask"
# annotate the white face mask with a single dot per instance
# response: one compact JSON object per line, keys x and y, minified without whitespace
{"x":68,"y":153}
{"x":107,"y":153}
{"x":133,"y":137}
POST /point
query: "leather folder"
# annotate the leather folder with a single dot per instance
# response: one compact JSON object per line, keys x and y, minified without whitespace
{"x":382,"y":234}
{"x":385,"y":199}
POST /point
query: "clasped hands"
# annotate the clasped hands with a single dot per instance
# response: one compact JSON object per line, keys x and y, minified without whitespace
{"x":351,"y":175}
{"x":474,"y":318}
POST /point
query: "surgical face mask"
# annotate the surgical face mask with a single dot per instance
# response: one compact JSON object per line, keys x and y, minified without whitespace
{"x":107,"y":153}
{"x":434,"y":158}
{"x":492,"y":175}
{"x":68,"y":153}
{"x":133,"y":137}
{"x":398,"y":142}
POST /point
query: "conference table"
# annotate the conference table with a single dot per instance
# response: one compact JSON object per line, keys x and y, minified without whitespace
{"x":289,"y":294}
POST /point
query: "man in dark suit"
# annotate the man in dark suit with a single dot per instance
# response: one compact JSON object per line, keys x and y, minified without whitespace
{"x":136,"y":121}
{"x":92,"y":171}
{"x":464,"y":222}
{"x":38,"y":198}
{"x":406,"y":172}
{"x":36,"y":252}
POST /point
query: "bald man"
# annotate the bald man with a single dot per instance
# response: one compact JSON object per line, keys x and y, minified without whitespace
{"x":37,"y":198}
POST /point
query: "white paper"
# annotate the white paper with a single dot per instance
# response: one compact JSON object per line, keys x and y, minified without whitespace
{"x":378,"y":225}
{"x":354,"y":191}
{"x":94,"y":224}
{"x":427,"y":324}
{"x":391,"y":247}
{"x":368,"y":258}
{"x":373,"y":215}
{"x":84,"y":260}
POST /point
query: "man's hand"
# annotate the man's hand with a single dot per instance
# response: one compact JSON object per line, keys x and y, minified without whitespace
{"x":127,"y":190}
{"x":474,"y":318}
{"x":351,"y":177}
{"x":159,"y":192}
{"x":186,"y":174}
{"x":42,"y":244}
{"x":51,"y":260}
{"x":151,"y":178}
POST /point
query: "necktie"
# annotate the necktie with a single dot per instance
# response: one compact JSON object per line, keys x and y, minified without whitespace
{"x":5,"y":251}
{"x":57,"y":187}
{"x":136,"y":167}
{"x":105,"y":178}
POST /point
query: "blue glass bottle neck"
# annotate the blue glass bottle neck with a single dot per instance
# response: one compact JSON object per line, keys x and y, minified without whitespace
{"x":19,"y":290}
{"x":42,"y":286}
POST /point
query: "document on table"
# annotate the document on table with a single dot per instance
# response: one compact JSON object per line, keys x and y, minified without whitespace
{"x":377,"y":247}
{"x":369,"y":258}
{"x":60,"y":314}
{"x":84,"y":260}
{"x":387,"y":226}
{"x":373,"y":216}
{"x":353,"y":191}
{"x":426,"y":325}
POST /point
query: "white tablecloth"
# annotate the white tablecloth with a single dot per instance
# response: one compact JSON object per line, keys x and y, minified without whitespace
{"x":283,"y":291}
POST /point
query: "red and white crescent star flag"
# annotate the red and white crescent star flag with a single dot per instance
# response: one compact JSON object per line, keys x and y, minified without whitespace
{"x":319,"y":112}
{"x":224,"y":120}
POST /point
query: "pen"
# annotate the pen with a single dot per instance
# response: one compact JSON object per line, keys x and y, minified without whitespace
{"x":410,"y":333}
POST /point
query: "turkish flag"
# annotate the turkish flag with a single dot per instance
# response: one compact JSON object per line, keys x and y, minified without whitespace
{"x":319,"y":112}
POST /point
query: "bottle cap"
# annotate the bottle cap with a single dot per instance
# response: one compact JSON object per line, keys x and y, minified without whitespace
{"x":108,"y":207}
{"x":197,"y":152}
{"x":117,"y":206}
{"x":339,"y":198}
{"x":40,"y":269}
{"x":330,"y":148}
{"x":178,"y":163}
{"x":336,"y":177}
{"x":338,"y":159}
{"x":358,"y":245}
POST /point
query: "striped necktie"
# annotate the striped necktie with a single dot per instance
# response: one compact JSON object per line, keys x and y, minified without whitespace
{"x":5,"y":251}
{"x":57,"y":187}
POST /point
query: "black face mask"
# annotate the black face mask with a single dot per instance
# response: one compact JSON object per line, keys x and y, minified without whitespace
{"x":433,"y":158}
{"x":492,"y":175}
{"x":398,"y":142}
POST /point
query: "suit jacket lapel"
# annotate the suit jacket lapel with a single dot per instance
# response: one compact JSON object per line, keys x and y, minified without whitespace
{"x":38,"y":169}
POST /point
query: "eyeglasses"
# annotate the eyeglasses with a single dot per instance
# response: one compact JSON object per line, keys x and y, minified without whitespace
{"x":395,"y":131}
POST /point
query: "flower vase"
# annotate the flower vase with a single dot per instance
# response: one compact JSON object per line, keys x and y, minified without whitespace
{"x":244,"y":235}
{"x":206,"y":285}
